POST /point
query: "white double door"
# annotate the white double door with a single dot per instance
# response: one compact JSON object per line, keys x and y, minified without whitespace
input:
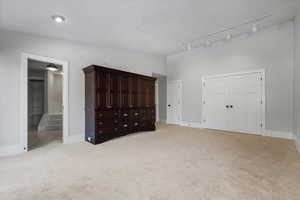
{"x":234,"y":103}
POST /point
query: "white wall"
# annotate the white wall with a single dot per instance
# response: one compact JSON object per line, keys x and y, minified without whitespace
{"x":54,"y":93}
{"x":271,"y":49}
{"x":12,"y":44}
{"x":297,"y":77}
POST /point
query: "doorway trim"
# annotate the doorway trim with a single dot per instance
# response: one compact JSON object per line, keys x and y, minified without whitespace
{"x":157,"y":99}
{"x":263,"y":95}
{"x":24,"y":96}
{"x":179,"y":90}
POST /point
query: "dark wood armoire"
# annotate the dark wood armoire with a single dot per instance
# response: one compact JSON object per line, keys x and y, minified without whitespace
{"x":117,"y":103}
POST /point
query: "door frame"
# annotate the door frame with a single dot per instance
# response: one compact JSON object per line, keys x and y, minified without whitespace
{"x":24,"y":96}
{"x":263,"y":106}
{"x":179,"y":82}
{"x":157,"y":99}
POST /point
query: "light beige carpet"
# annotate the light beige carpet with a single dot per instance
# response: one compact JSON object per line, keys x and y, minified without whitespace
{"x":173,"y":163}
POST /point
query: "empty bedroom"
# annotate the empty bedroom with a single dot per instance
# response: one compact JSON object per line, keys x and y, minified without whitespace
{"x":150,"y":100}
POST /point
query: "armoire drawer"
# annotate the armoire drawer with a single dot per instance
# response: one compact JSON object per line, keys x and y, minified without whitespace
{"x":135,"y":124}
{"x":135,"y":113}
{"x":125,"y":114}
{"x":110,"y":130}
{"x":107,"y":123}
{"x":125,"y":126}
{"x":107,"y":114}
{"x":147,"y":123}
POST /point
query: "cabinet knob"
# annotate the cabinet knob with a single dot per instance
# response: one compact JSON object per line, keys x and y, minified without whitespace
{"x":108,"y":106}
{"x":116,"y":129}
{"x":125,"y":114}
{"x":130,"y":106}
{"x":100,"y":132}
{"x":136,"y":114}
{"x":125,"y":125}
{"x":227,"y":106}
{"x":136,"y":123}
{"x":116,"y":121}
{"x":231,"y":106}
{"x":100,"y":115}
{"x":115,"y":113}
{"x":100,"y":123}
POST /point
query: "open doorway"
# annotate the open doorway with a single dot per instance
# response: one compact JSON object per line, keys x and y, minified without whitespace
{"x":161,"y":97}
{"x":44,"y":101}
{"x":45,"y":106}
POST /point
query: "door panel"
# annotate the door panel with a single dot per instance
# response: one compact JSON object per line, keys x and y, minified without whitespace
{"x":174,"y":102}
{"x":245,"y":95}
{"x":215,"y":104}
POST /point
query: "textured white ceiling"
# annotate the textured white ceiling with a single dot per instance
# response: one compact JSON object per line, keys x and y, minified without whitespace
{"x":156,"y":26}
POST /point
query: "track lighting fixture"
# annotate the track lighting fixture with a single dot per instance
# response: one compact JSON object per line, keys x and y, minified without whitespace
{"x":228,"y":36}
{"x":207,"y":43}
{"x":189,"y":46}
{"x":254,"y":28}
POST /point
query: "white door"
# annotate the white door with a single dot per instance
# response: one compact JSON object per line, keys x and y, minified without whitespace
{"x":174,"y":102}
{"x":234,"y":103}
{"x":216,"y":103}
{"x":245,"y":97}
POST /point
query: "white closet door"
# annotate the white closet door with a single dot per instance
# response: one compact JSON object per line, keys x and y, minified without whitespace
{"x":174,"y":102}
{"x":215,"y":102}
{"x":234,"y":102}
{"x":245,"y":96}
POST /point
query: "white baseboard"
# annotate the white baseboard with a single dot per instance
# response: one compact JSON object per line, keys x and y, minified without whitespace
{"x":73,"y":139}
{"x":191,"y":124}
{"x":297,"y":143}
{"x":269,"y":133}
{"x":278,"y":134}
{"x":11,"y":150}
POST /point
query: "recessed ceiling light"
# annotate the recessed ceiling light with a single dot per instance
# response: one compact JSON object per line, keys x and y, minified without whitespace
{"x":58,"y":19}
{"x":52,"y":67}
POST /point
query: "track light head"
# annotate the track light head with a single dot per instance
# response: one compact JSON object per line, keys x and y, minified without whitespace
{"x":228,"y":36}
{"x":207,"y":43}
{"x":254,"y":28}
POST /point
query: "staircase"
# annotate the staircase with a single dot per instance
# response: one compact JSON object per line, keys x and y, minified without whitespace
{"x":51,"y":122}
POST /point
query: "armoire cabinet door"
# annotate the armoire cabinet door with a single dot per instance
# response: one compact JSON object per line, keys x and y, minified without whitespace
{"x":141,"y":92}
{"x":124,"y":94}
{"x":149,"y":88}
{"x":114,"y":87}
{"x":102,"y":89}
{"x":133,"y":92}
